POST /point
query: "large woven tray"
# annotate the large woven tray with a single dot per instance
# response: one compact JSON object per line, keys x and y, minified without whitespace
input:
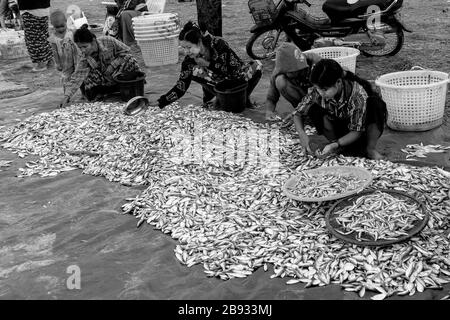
{"x":362,"y":173}
{"x":332,"y":224}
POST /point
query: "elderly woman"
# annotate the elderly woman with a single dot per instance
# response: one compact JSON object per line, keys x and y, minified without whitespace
{"x":208,"y":61}
{"x":102,"y":60}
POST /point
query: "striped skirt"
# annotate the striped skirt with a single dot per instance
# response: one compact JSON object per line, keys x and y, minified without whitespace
{"x":36,"y":35}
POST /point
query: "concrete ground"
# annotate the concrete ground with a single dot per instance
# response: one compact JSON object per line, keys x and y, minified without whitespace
{"x":50,"y":224}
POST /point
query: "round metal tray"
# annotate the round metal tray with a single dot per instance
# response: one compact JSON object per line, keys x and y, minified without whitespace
{"x":332,"y":224}
{"x":360,"y":172}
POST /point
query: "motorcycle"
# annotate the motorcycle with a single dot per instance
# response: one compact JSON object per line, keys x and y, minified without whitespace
{"x":375,"y":25}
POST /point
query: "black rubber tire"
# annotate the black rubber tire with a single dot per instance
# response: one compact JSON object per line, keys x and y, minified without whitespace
{"x":400,"y":40}
{"x":251,"y":42}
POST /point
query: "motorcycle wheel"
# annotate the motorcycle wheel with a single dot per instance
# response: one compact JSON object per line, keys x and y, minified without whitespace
{"x":263,"y":43}
{"x":394,"y":41}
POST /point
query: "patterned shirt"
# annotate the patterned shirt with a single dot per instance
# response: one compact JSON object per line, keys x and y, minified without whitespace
{"x":351,"y":105}
{"x":224,"y":64}
{"x":110,"y":51}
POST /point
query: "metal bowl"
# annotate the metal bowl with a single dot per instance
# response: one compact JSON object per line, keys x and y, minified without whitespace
{"x":136,"y":105}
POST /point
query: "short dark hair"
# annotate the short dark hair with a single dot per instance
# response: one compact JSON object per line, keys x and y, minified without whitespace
{"x":326,"y":73}
{"x":83,"y":35}
{"x":191,"y":32}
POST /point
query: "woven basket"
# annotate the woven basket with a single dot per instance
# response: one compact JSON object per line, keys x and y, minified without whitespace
{"x":346,"y":57}
{"x":159,"y":51}
{"x":263,"y":11}
{"x":359,"y":172}
{"x":415,"y":99}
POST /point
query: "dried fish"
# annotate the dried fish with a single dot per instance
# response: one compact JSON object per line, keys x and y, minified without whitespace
{"x":378,"y":216}
{"x":232,"y":217}
{"x":421,"y":151}
{"x":321,"y":185}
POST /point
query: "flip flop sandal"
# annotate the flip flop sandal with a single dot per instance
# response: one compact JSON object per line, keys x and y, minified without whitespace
{"x":273,"y":118}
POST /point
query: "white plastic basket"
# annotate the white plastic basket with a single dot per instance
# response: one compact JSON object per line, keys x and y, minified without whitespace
{"x":159,"y":51}
{"x":415,"y":99}
{"x":153,"y":34}
{"x":155,"y":19}
{"x":346,"y":57}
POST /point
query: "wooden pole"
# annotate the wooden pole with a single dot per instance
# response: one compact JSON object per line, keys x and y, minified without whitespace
{"x":209,"y":13}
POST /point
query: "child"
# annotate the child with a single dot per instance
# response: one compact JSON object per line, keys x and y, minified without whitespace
{"x":65,"y":52}
{"x":344,"y":108}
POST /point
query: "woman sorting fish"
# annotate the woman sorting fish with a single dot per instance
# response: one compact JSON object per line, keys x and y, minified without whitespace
{"x":344,"y":108}
{"x":208,"y":61}
{"x":102,"y":60}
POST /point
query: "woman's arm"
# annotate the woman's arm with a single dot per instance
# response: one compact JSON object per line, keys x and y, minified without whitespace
{"x":69,"y":59}
{"x":120,"y":50}
{"x":79,"y":75}
{"x":181,"y":86}
{"x":349,"y":138}
{"x":304,"y":139}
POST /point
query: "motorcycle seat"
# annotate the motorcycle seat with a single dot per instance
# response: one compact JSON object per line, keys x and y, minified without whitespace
{"x":312,"y":21}
{"x":341,"y":9}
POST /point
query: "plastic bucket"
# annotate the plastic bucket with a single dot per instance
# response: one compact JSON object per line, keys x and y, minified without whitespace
{"x":231,"y":95}
{"x":131,"y":85}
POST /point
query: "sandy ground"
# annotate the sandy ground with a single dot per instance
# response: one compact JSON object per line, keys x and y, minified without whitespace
{"x":49,"y":224}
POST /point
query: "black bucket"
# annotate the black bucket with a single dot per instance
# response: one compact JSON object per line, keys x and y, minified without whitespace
{"x":232,"y":95}
{"x":131,"y":85}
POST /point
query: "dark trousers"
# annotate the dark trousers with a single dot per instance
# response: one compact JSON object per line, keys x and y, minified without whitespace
{"x":376,"y":113}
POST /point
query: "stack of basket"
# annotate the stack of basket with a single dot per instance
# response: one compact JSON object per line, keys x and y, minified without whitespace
{"x":157,"y":36}
{"x":12,"y":44}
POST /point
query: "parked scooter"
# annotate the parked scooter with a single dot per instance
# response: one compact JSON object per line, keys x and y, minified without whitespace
{"x":374,"y":25}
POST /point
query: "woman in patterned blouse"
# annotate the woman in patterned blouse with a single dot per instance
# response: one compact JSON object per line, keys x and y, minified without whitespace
{"x":208,"y":61}
{"x":344,"y":108}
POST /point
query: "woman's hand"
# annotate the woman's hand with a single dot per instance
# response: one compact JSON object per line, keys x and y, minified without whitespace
{"x":202,"y":62}
{"x":304,"y":142}
{"x":329,"y":148}
{"x":65,"y":102}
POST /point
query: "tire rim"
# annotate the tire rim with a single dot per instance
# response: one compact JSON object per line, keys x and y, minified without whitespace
{"x":391,"y":38}
{"x":263,"y":47}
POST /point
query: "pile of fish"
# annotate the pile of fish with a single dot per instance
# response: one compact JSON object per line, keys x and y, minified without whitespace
{"x":233,"y":219}
{"x":325,"y":184}
{"x":421,"y":151}
{"x":378,"y":216}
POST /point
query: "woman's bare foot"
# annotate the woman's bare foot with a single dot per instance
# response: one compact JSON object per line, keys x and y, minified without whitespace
{"x":375,"y":155}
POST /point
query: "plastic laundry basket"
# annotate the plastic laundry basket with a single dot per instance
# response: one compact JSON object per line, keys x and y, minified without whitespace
{"x":157,"y":36}
{"x":346,"y":57}
{"x":415,"y":99}
{"x":159,"y":51}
